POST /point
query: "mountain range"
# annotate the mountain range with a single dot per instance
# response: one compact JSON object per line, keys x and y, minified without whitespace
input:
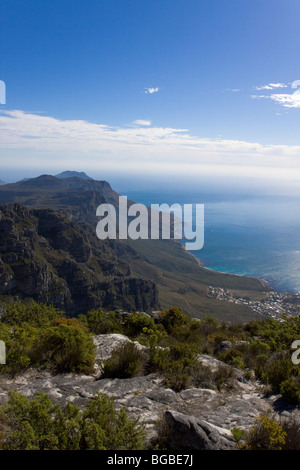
{"x":49,"y":251}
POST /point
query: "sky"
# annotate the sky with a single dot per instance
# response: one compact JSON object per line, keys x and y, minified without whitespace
{"x":189,"y":91}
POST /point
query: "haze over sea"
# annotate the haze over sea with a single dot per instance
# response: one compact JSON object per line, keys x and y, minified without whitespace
{"x":244,"y":234}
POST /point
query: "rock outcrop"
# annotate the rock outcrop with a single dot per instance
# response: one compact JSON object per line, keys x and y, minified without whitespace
{"x":189,"y":433}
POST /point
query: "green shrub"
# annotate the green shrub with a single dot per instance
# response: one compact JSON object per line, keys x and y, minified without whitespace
{"x":106,"y":428}
{"x":19,"y":343}
{"x":238,"y":435}
{"x":37,"y":424}
{"x":279,"y":335}
{"x":173,"y":317}
{"x":255,"y":355}
{"x":65,"y":347}
{"x":100,"y":322}
{"x":209,"y":325}
{"x":266,"y":434}
{"x":233,"y":357}
{"x":125,"y":362}
{"x":176,"y":363}
{"x":290,"y":390}
{"x":31,"y":312}
{"x":27,"y":423}
{"x":277,"y":369}
{"x":151,"y":337}
{"x":222,"y":376}
{"x":292,"y":429}
{"x":136,"y":322}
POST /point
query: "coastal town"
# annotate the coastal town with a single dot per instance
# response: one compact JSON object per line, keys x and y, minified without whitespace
{"x":274,"y":305}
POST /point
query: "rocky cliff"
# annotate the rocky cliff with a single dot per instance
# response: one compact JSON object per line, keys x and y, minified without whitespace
{"x":52,"y":258}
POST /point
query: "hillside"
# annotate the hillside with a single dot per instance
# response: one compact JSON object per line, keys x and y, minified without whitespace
{"x":179,"y":277}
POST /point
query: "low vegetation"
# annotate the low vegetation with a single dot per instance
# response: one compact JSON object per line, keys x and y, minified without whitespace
{"x":37,"y":424}
{"x":38,"y":335}
{"x":269,"y":433}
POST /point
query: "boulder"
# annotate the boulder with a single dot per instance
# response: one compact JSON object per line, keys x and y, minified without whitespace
{"x":224,"y":346}
{"x":187,"y":433}
{"x":107,"y":343}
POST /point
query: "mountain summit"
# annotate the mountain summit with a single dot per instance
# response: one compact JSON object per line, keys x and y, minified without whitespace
{"x":71,"y":174}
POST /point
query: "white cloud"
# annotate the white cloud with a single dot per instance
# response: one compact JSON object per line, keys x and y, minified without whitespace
{"x":271,"y":86}
{"x":287,"y":100}
{"x":142,"y":122}
{"x":151,"y":90}
{"x":233,"y":90}
{"x":36,"y":141}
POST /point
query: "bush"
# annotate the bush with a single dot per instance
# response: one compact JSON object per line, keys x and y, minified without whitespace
{"x":66,"y":347}
{"x":255,"y":355}
{"x":150,"y":337}
{"x":277,"y":369}
{"x":222,"y":376}
{"x":292,"y":429}
{"x":173,"y":317}
{"x":234,"y":357}
{"x":31,"y":312}
{"x":266,"y":434}
{"x":238,"y":435}
{"x":136,"y":322}
{"x":27,"y":423}
{"x":100,"y":322}
{"x":176,"y":364}
{"x":202,"y":377}
{"x":125,"y":362}
{"x":279,"y":335}
{"x":37,"y":424}
{"x":106,"y":428}
{"x":19,"y":342}
{"x":290,"y":390}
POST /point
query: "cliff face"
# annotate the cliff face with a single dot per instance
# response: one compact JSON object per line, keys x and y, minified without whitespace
{"x":46,"y":255}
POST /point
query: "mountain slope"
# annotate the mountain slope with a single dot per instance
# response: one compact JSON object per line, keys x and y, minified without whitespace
{"x":51,"y":258}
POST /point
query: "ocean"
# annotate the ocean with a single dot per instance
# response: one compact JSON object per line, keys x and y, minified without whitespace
{"x":245,"y":235}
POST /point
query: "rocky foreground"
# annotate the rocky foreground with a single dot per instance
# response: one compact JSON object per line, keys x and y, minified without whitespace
{"x":197,"y":418}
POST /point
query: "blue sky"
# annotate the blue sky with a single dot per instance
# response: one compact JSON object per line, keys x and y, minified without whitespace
{"x":182,"y":87}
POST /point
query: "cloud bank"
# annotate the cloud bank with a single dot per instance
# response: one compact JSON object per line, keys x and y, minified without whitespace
{"x":32,"y":141}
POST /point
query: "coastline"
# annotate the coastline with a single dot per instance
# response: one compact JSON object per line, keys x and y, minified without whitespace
{"x":263,"y":282}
